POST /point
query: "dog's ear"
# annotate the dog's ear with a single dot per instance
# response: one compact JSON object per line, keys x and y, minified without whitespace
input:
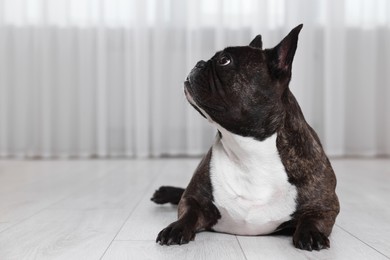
{"x":280,"y":58}
{"x":256,"y":42}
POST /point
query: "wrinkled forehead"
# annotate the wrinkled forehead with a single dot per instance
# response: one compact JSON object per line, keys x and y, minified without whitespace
{"x":239,"y":52}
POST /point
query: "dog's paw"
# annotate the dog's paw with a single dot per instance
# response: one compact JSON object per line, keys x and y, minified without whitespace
{"x":167,"y":194}
{"x":310,"y":238}
{"x":175,"y":234}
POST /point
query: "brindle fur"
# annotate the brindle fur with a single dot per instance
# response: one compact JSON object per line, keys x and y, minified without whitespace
{"x":196,"y":210}
{"x":264,"y":106}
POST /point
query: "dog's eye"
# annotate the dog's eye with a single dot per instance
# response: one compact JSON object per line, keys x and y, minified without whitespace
{"x":224,"y":60}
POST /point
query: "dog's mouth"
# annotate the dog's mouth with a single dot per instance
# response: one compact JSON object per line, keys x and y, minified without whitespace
{"x":187,"y":87}
{"x":199,"y":105}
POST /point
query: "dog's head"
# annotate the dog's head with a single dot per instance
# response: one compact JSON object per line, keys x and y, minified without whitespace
{"x":241,"y":88}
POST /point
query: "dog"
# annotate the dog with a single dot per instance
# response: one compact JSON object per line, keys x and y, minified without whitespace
{"x":267,"y":171}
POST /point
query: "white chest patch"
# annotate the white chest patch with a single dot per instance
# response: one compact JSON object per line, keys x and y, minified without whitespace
{"x":250,"y":185}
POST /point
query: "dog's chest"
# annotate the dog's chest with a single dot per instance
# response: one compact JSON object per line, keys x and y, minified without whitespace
{"x":250,"y":186}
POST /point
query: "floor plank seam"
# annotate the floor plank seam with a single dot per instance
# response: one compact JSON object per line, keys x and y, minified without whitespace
{"x":120,"y":228}
{"x":242,"y":250}
{"x":136,"y":240}
{"x":130,"y":214}
{"x":14,"y":224}
{"x":363,"y":241}
{"x":59,"y":200}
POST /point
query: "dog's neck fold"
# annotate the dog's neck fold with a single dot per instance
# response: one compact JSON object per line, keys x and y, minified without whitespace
{"x":246,"y":150}
{"x":240,"y":149}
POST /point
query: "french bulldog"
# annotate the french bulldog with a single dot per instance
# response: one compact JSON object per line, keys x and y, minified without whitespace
{"x":267,"y":171}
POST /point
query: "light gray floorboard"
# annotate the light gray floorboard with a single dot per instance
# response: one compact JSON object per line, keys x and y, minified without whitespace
{"x":62,"y":234}
{"x":211,"y":249}
{"x":82,"y":214}
{"x":122,"y":188}
{"x":4,"y":225}
{"x":343,"y":246}
{"x":102,"y":209}
{"x":30,"y":186}
{"x":364,"y":191}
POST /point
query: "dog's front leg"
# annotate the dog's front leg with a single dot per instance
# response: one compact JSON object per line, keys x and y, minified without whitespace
{"x":194,"y":216}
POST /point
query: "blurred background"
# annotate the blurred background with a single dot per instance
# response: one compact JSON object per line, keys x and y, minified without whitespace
{"x":104,"y":78}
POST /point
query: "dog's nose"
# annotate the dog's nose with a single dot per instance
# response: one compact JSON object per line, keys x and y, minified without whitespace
{"x":201,"y":64}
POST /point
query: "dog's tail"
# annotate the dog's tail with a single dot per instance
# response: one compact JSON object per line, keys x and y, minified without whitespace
{"x":167,"y":194}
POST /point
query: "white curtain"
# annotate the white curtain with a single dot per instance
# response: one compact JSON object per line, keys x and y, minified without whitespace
{"x":103,"y":78}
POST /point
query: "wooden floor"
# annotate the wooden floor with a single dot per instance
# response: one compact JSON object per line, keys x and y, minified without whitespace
{"x":102,"y":210}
